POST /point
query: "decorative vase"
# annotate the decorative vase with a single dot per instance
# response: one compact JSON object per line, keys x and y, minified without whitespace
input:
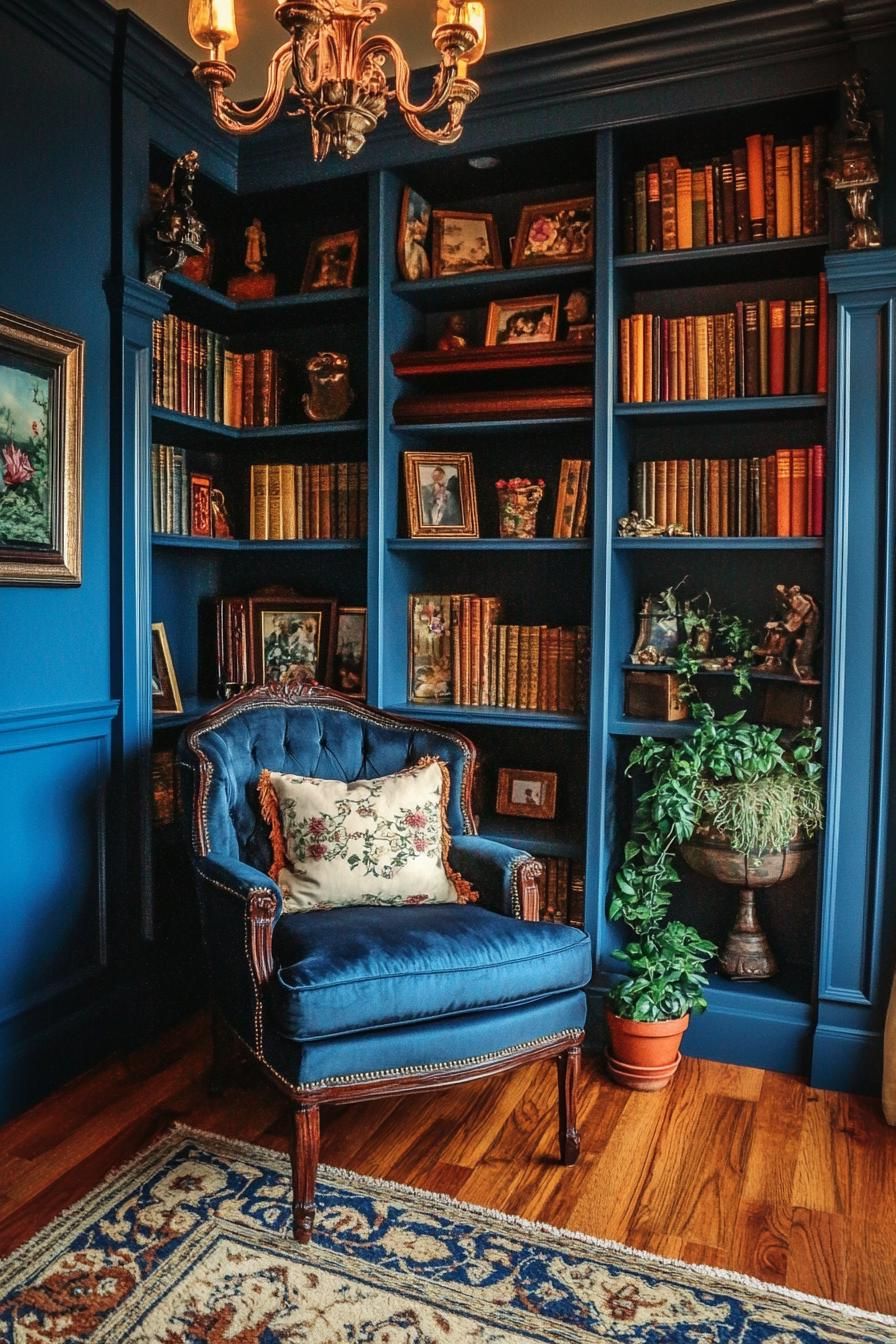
{"x":644,"y":1056}
{"x":518,"y":508}
{"x":747,"y":954}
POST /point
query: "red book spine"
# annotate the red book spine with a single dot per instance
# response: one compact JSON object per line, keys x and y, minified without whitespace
{"x":782,"y":461}
{"x":822,"y":382}
{"x":816,"y":490}
{"x":799,"y":492}
{"x":777,"y":312}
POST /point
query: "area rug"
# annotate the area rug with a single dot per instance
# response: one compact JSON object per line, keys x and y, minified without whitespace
{"x":189,"y":1244}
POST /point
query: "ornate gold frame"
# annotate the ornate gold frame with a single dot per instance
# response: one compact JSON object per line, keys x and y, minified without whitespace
{"x":63,"y":354}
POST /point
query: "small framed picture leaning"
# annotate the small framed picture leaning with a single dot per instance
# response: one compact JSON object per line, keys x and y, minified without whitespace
{"x":350,"y":658}
{"x":527,"y":793}
{"x":41,"y":395}
{"x":555,"y":232}
{"x":522,"y":321}
{"x":165,"y":690}
{"x":464,"y":241}
{"x":413,"y":228}
{"x":332,"y":262}
{"x":441,"y":495}
{"x":293,"y":639}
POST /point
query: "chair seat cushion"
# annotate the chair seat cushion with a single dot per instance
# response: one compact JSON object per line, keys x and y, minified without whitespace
{"x":361,"y":968}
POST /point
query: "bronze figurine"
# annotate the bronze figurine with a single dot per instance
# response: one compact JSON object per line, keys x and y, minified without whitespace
{"x":175,"y":231}
{"x":851,"y":167}
{"x":791,"y":635}
{"x":331,"y":394}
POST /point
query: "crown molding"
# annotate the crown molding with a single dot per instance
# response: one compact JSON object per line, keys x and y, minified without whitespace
{"x":867,"y":19}
{"x":83,"y":29}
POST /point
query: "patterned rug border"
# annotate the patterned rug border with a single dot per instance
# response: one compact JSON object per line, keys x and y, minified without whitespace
{"x":170,"y":1138}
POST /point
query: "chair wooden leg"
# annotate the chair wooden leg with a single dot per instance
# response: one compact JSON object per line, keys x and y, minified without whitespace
{"x":223,"y":1054}
{"x":567,"y":1078}
{"x":304,"y":1151}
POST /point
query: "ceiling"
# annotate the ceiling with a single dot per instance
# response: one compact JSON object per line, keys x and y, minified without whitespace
{"x":511,"y":23}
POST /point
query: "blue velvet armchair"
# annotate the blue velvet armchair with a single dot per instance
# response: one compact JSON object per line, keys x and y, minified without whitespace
{"x":345,"y":1004}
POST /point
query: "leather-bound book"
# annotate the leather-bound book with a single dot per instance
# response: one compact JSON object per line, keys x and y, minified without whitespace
{"x":671,"y":490}
{"x":729,"y":207}
{"x":809,"y":354}
{"x":566,"y":690}
{"x":654,"y":209}
{"x":342,"y":500}
{"x":669,"y":166}
{"x":475,"y":688}
{"x":258,"y":527}
{"x":807,"y":186}
{"x":327,"y":496}
{"x":741,"y":196}
{"x":248,"y":362}
{"x":698,"y":207}
{"x":783,"y":216}
{"x":288,"y":501}
{"x":794,"y":345}
{"x":705,"y":486}
{"x":640,"y":209}
{"x":743,"y":497}
{"x":656,"y":356}
{"x":763,"y":528}
{"x":720,"y":354}
{"x":237,"y":390}
{"x":754,"y":508}
{"x":541,"y":684}
{"x":580,"y":517}
{"x":690,"y":348}
{"x":710,"y":206}
{"x":821,"y":385}
{"x":763,"y":347}
{"x":553,"y":661}
{"x":715,"y":498}
{"x":264,"y":388}
{"x":684,"y":207}
{"x":501,"y":673}
{"x":672,"y":327}
{"x":796,"y":195}
{"x":625,"y":360}
{"x":659,"y":516}
{"x":665,"y":379}
{"x":298,"y":472}
{"x":534,"y":666}
{"x":751,"y":348}
{"x":647,"y":375}
{"x":783,"y":479}
{"x":725,"y":492}
{"x":730,"y":329}
{"x":637,"y":374}
{"x":768,"y":180}
{"x":777,"y":343}
{"x":701,"y":336}
{"x":513,"y":666}
{"x":718,"y":209}
{"x":816,"y":490}
{"x":683,"y":478}
{"x":755,"y":187}
{"x":799,"y":492}
{"x":739,"y":338}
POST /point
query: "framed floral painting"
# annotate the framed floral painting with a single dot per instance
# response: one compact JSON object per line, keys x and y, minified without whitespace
{"x":41,"y":392}
{"x":554,"y":233}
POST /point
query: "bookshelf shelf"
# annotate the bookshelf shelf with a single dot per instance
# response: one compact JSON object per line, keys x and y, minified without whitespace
{"x":756,"y":675}
{"x":718,"y":543}
{"x":492,"y":359}
{"x":327,"y":300}
{"x":651,"y":728}
{"x":552,"y":839}
{"x":500,"y":425}
{"x":482,"y":286}
{"x":727,"y":406}
{"x":244,"y":544}
{"x":726,"y":261}
{"x":505,"y":718}
{"x":489,"y":544}
{"x":210,"y":430}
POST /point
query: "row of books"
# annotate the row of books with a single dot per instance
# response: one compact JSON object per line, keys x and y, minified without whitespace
{"x":170,"y":490}
{"x":779,"y":495}
{"x":308,"y":501}
{"x":461,"y":653}
{"x":234,"y":645}
{"x":561,"y":892}
{"x":571,"y":510}
{"x":765,"y":347}
{"x":195,"y":373}
{"x":762,"y":190}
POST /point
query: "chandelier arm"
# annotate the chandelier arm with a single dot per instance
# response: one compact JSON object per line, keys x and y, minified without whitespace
{"x":247,"y":120}
{"x":445,"y":135}
{"x":381,"y":45}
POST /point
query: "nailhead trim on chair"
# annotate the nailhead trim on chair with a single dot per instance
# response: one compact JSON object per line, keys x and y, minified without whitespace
{"x":415,"y":1070}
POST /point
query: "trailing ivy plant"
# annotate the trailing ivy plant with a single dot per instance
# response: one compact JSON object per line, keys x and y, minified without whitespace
{"x":754,"y":783}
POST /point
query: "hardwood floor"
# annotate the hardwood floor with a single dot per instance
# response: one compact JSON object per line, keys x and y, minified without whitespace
{"x":734,"y":1167}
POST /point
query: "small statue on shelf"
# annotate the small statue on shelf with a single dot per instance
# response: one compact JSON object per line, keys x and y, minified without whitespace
{"x":852,"y":168}
{"x":454,"y":333}
{"x":633,"y":525}
{"x":220,"y":521}
{"x":791,"y":635}
{"x":257,"y":283}
{"x":175,"y":231}
{"x":579,"y":321}
{"x":331,"y":394}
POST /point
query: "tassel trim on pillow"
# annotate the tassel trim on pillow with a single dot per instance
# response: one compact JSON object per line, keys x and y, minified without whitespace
{"x":270,"y":811}
{"x":466,"y":893}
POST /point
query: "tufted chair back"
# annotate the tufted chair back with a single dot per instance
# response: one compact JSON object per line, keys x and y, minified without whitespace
{"x":312,"y":731}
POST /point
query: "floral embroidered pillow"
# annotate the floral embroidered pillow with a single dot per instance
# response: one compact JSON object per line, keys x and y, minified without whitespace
{"x":367,"y":842}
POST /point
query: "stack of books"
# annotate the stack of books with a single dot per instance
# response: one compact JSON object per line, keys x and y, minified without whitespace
{"x":765,"y":347}
{"x":308,"y":501}
{"x":571,"y":512}
{"x":561,"y":890}
{"x":170,"y":491}
{"x":761,"y":190}
{"x":235,"y":653}
{"x":195,"y":373}
{"x":460,"y":653}
{"x":778,"y":495}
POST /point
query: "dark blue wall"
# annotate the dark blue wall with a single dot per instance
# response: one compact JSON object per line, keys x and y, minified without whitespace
{"x":54,"y":642}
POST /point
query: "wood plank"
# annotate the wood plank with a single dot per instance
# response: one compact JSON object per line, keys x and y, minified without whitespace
{"x":822,"y":1177}
{"x":777,"y":1133}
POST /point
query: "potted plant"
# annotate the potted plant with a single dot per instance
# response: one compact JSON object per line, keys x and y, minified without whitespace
{"x":737,"y":794}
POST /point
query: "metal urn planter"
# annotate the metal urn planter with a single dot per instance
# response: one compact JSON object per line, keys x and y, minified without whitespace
{"x":747,"y":954}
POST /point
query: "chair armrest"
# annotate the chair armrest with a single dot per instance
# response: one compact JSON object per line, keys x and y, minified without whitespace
{"x":505,"y":878}
{"x":233,"y":894}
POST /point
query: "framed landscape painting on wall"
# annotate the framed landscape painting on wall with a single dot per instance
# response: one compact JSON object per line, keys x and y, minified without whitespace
{"x":41,"y":391}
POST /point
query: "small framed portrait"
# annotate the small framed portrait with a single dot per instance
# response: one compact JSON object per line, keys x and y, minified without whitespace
{"x":41,"y":392}
{"x":350,"y":658}
{"x":464,"y":241}
{"x":332,"y":262}
{"x":441,"y":495}
{"x":413,"y":230}
{"x":165,"y":691}
{"x":293,"y":639}
{"x":659,"y":633}
{"x":200,"y":504}
{"x":551,"y":234}
{"x":522,"y":321}
{"x":527,"y":793}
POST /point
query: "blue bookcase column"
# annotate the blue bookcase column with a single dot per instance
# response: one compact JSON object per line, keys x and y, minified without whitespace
{"x":857,"y":915}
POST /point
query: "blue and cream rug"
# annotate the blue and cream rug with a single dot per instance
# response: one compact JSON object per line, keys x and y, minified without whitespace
{"x":189,"y":1244}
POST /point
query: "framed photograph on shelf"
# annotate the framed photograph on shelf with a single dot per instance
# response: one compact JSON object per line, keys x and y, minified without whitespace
{"x":522,"y":321}
{"x":464,"y":241}
{"x":332,"y":261}
{"x":41,"y":395}
{"x":441,"y":495}
{"x":554,"y":233}
{"x":350,"y":659}
{"x":413,"y":229}
{"x":165,"y":690}
{"x":293,"y":639}
{"x":527,"y":793}
{"x":429,"y":648}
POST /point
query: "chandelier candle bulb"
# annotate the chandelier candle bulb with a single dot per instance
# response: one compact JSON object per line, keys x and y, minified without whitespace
{"x":212,"y":24}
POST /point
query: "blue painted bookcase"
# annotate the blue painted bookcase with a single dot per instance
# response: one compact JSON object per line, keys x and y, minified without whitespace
{"x":569,"y":119}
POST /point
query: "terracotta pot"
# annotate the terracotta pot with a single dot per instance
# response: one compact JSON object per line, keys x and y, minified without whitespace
{"x":644,"y":1055}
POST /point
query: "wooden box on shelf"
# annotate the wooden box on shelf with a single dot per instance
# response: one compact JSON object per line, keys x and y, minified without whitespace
{"x":653,"y":695}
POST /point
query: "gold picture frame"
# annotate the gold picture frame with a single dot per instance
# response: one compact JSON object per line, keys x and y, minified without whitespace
{"x":332,"y":261}
{"x":165,"y":690}
{"x":463,"y":242}
{"x":529,"y":321}
{"x":555,"y":233}
{"x":441,"y":495}
{"x":527,"y":793}
{"x":41,"y":432}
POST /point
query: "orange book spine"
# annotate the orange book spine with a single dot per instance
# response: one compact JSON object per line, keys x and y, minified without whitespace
{"x":475,"y":650}
{"x":625,"y":360}
{"x":580,"y":521}
{"x":799,"y":492}
{"x":782,"y":477}
{"x":783,"y":220}
{"x":725,"y":528}
{"x":684,"y":207}
{"x":756,"y":187}
{"x":714,"y":498}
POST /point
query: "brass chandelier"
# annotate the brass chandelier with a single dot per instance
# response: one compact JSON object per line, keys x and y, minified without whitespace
{"x":329,"y":72}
